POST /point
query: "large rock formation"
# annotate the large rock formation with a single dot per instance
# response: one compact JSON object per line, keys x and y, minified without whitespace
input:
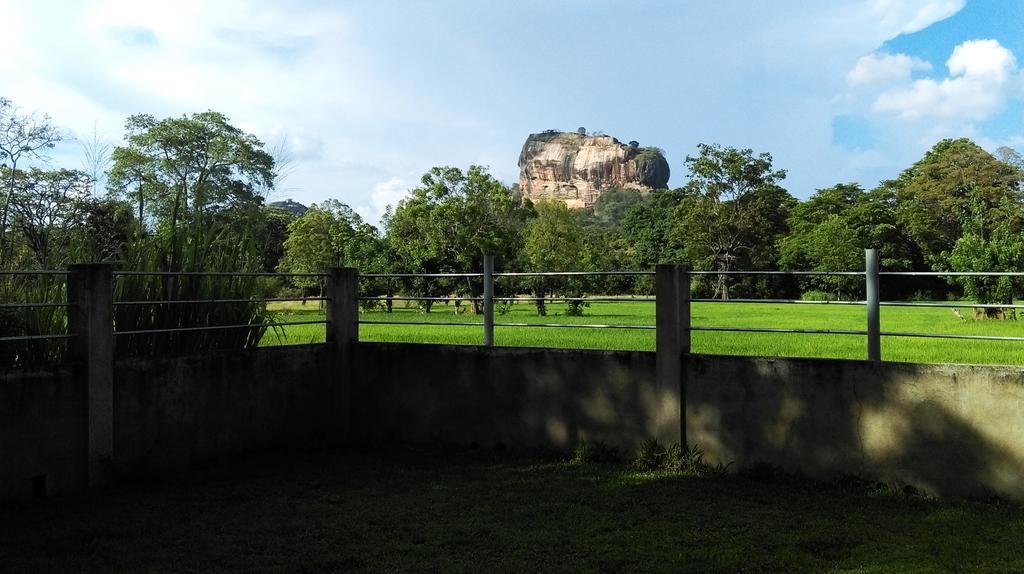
{"x":293,"y":207}
{"x":577,"y":168}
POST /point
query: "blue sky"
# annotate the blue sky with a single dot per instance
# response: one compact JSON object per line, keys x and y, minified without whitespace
{"x":369,"y":95}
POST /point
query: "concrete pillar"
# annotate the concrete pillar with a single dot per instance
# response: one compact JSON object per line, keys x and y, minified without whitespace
{"x":672,"y":291}
{"x":872,"y":300}
{"x":342,"y":334}
{"x":488,"y":300}
{"x":91,"y":321}
{"x":342,"y":307}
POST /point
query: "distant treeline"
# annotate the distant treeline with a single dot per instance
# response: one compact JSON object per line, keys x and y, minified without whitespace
{"x":187,"y":193}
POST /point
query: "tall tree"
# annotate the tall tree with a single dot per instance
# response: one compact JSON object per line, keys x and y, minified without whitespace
{"x":733,"y":212}
{"x":47,"y":207}
{"x":555,"y":240}
{"x":22,"y":136}
{"x":942,"y":191}
{"x":830,"y":230}
{"x":992,"y":240}
{"x":329,"y":234}
{"x":451,"y":221}
{"x":188,"y":169}
{"x":647,"y":228}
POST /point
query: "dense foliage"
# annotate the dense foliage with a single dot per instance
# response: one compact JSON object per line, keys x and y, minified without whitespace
{"x":186,"y":194}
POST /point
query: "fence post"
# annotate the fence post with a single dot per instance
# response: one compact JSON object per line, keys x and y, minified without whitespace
{"x":91,"y":322}
{"x":672,"y":303}
{"x":871,"y":291}
{"x":342,"y":334}
{"x":488,"y":300}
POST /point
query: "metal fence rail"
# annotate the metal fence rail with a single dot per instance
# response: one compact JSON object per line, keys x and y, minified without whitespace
{"x":872,"y":302}
{"x":27,"y":305}
{"x":486,"y":297}
{"x":156,"y":302}
{"x":215,"y":274}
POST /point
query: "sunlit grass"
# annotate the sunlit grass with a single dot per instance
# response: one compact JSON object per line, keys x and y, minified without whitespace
{"x":894,"y":319}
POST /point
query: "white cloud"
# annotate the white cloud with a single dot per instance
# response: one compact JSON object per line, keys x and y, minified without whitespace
{"x":981,"y":78}
{"x":907,"y":17}
{"x":368,"y":95}
{"x":874,"y":21}
{"x":385,"y":194}
{"x":879,"y":69}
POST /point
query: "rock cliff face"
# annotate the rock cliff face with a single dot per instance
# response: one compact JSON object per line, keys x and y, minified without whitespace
{"x":290,"y":206}
{"x":577,"y":168}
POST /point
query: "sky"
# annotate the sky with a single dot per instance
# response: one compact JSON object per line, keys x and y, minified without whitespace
{"x":366,"y":96}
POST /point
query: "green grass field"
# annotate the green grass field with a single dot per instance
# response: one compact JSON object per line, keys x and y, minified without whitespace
{"x":474,"y":511}
{"x":895,"y":319}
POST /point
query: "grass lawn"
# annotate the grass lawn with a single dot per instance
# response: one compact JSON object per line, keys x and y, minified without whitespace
{"x":895,"y":319}
{"x":498,"y":512}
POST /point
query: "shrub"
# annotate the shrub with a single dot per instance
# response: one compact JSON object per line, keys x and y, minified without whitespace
{"x":587,"y":452}
{"x":690,"y":461}
{"x":817,"y":296}
{"x":650,"y":456}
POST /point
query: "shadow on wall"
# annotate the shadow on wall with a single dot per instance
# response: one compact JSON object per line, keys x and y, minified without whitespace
{"x":526,"y":398}
{"x":947,"y":429}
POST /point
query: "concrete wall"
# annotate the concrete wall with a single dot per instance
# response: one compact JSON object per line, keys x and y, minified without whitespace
{"x":531,"y":398}
{"x":42,"y":433}
{"x":171,"y":413}
{"x":956,"y":430}
{"x":950,"y":429}
{"x":167,"y":415}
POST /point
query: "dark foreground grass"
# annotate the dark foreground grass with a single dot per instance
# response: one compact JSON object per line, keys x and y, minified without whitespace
{"x":498,"y":512}
{"x":826,"y":317}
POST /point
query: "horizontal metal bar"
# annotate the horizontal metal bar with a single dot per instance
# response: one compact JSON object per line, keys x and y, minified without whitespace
{"x":420,"y":323}
{"x":824,"y":273}
{"x":577,"y":299}
{"x":569,"y":325}
{"x":31,"y":305}
{"x":954,"y":273}
{"x":28,"y":272}
{"x":576,"y":326}
{"x":950,"y":305}
{"x":513,"y":299}
{"x":36,"y":337}
{"x":217,"y":327}
{"x":187,"y":301}
{"x":383,"y":298}
{"x":400,"y":275}
{"x":572,"y":273}
{"x":942,"y":336}
{"x":778,"y":301}
{"x":214,"y":274}
{"x":766,"y":330}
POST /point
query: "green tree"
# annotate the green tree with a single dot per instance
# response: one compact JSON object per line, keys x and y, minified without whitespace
{"x":647,"y":228}
{"x":47,"y":207}
{"x":450,"y":222}
{"x":22,"y":136}
{"x":611,"y":207}
{"x":830,"y":230}
{"x":992,"y":241}
{"x":733,"y":212}
{"x":555,"y":240}
{"x":196,"y":181}
{"x":329,"y":234}
{"x":275,"y":233}
{"x":107,"y":229}
{"x":182,"y":171}
{"x":939,"y":193}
